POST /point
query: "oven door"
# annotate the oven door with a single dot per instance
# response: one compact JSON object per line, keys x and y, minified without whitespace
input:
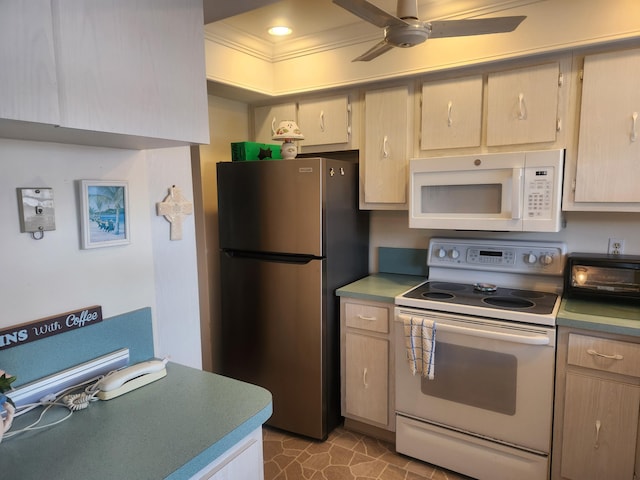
{"x":492,"y":379}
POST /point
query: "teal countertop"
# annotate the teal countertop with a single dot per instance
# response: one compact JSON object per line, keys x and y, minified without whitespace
{"x":610,"y":317}
{"x":380,"y":287}
{"x":171,"y":428}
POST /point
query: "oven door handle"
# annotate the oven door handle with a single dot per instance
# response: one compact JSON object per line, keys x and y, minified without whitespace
{"x":507,"y":337}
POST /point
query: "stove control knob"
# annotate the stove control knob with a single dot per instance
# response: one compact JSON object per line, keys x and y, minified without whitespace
{"x":530,"y":258}
{"x":454,"y":253}
{"x":546,"y":259}
{"x":441,"y":253}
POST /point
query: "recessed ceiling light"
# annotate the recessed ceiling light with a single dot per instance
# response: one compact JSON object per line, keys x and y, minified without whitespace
{"x":279,"y":31}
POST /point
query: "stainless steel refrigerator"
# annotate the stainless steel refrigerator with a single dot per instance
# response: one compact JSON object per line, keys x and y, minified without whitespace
{"x":290,"y":234}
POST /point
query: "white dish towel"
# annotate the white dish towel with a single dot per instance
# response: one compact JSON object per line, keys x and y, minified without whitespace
{"x":420,"y":337}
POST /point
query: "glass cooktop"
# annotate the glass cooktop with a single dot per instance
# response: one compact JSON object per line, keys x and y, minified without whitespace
{"x":485,"y":296}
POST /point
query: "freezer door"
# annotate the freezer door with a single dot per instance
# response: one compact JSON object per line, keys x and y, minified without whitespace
{"x":273,"y":336}
{"x":271,"y":206}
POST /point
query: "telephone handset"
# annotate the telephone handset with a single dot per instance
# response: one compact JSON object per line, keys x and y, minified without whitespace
{"x":130,"y":378}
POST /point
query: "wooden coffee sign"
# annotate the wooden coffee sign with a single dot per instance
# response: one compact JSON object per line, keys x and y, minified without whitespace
{"x":30,"y":332}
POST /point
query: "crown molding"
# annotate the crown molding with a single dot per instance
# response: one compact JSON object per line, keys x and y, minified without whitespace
{"x":248,"y":44}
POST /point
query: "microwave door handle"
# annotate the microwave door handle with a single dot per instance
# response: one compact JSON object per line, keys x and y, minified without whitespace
{"x":507,"y":337}
{"x":516,"y":194}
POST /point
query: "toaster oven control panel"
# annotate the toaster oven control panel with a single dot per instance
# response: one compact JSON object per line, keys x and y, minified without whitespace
{"x":496,"y":255}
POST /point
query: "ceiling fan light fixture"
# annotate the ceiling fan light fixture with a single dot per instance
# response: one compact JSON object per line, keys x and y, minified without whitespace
{"x":407,"y":36}
{"x":279,"y":31}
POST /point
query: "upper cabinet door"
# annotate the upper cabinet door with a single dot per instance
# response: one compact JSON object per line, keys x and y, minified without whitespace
{"x":523,"y":105}
{"x":324,"y":121}
{"x":451,"y":113}
{"x":386,"y":152}
{"x":133,"y":67}
{"x":609,"y":138}
{"x":28,"y":87}
{"x":267,"y":118}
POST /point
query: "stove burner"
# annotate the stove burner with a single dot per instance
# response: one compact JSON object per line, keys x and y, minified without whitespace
{"x":452,"y":287}
{"x":437,"y":295}
{"x":484,"y":287}
{"x":508,"y":302}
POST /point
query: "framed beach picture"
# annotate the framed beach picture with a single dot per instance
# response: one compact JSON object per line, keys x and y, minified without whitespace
{"x":104,"y":213}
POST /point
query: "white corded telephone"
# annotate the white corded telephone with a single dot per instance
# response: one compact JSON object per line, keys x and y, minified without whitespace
{"x":130,"y":378}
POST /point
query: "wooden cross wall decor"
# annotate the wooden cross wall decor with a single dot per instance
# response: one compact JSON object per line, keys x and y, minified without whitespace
{"x":174,"y":207}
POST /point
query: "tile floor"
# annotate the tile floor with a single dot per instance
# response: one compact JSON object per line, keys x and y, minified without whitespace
{"x":345,"y":455}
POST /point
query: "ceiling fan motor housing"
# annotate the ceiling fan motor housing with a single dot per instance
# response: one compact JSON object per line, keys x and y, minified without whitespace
{"x":406,"y":36}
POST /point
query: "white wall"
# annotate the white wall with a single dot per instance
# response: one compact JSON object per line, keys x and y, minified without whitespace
{"x":175,"y":264}
{"x":42,"y":278}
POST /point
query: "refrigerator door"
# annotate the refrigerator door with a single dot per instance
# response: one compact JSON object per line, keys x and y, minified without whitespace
{"x":273,"y":335}
{"x":271,"y":206}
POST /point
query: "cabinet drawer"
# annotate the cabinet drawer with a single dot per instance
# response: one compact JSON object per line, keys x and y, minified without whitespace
{"x":604,"y":354}
{"x":367,"y":317}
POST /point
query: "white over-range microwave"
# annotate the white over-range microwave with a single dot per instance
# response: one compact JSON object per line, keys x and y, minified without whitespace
{"x":519,"y":191}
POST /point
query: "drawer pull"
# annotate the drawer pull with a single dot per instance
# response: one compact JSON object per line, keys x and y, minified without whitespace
{"x":616,"y":356}
{"x":364,"y":317}
{"x":364,"y":378}
{"x":597,"y":434}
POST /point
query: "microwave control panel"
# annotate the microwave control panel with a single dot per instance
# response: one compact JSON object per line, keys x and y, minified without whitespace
{"x":495,"y":255}
{"x":538,"y":192}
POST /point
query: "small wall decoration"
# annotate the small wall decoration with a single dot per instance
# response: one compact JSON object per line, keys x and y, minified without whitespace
{"x":104,"y":213}
{"x":174,"y":207}
{"x":27,"y":333}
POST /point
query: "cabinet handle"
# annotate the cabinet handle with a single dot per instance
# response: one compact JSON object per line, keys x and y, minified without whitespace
{"x":616,"y":356}
{"x":322,"y":120}
{"x":364,"y":378}
{"x":364,"y":317}
{"x":634,"y":122}
{"x":385,"y":150}
{"x":597,"y":445}
{"x":522,"y":108}
{"x":449,"y":108}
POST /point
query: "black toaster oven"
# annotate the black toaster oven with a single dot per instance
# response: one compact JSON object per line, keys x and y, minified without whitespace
{"x":602,"y":276}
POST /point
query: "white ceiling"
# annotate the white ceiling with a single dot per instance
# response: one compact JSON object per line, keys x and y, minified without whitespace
{"x":310,"y":18}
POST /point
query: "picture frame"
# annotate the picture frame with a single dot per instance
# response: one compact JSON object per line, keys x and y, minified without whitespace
{"x":104,"y":213}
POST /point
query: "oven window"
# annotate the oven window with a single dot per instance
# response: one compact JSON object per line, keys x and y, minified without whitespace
{"x":475,"y":377}
{"x":462,"y":199}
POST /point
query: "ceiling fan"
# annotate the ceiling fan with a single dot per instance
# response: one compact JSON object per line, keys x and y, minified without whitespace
{"x":407,"y":30}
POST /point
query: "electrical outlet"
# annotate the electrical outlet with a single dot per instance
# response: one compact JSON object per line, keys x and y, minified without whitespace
{"x":616,"y":246}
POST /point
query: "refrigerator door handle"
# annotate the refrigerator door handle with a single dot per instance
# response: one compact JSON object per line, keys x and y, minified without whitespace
{"x":272,"y":257}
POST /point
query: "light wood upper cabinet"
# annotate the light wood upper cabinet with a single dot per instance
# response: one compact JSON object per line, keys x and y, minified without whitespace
{"x":387,"y":137}
{"x":451,"y":113}
{"x":325,"y":121}
{"x":522,"y":105}
{"x":609,"y":136}
{"x":28,"y":86}
{"x":132,"y":67}
{"x":266,"y":119}
{"x":115,"y":73}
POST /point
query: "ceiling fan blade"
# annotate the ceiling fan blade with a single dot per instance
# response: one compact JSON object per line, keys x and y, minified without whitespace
{"x":369,"y":12}
{"x":374,"y":52}
{"x":480,"y":26}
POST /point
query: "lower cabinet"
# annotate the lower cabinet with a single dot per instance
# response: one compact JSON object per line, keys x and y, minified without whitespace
{"x":243,"y":460}
{"x":597,"y":405}
{"x":366,"y":362}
